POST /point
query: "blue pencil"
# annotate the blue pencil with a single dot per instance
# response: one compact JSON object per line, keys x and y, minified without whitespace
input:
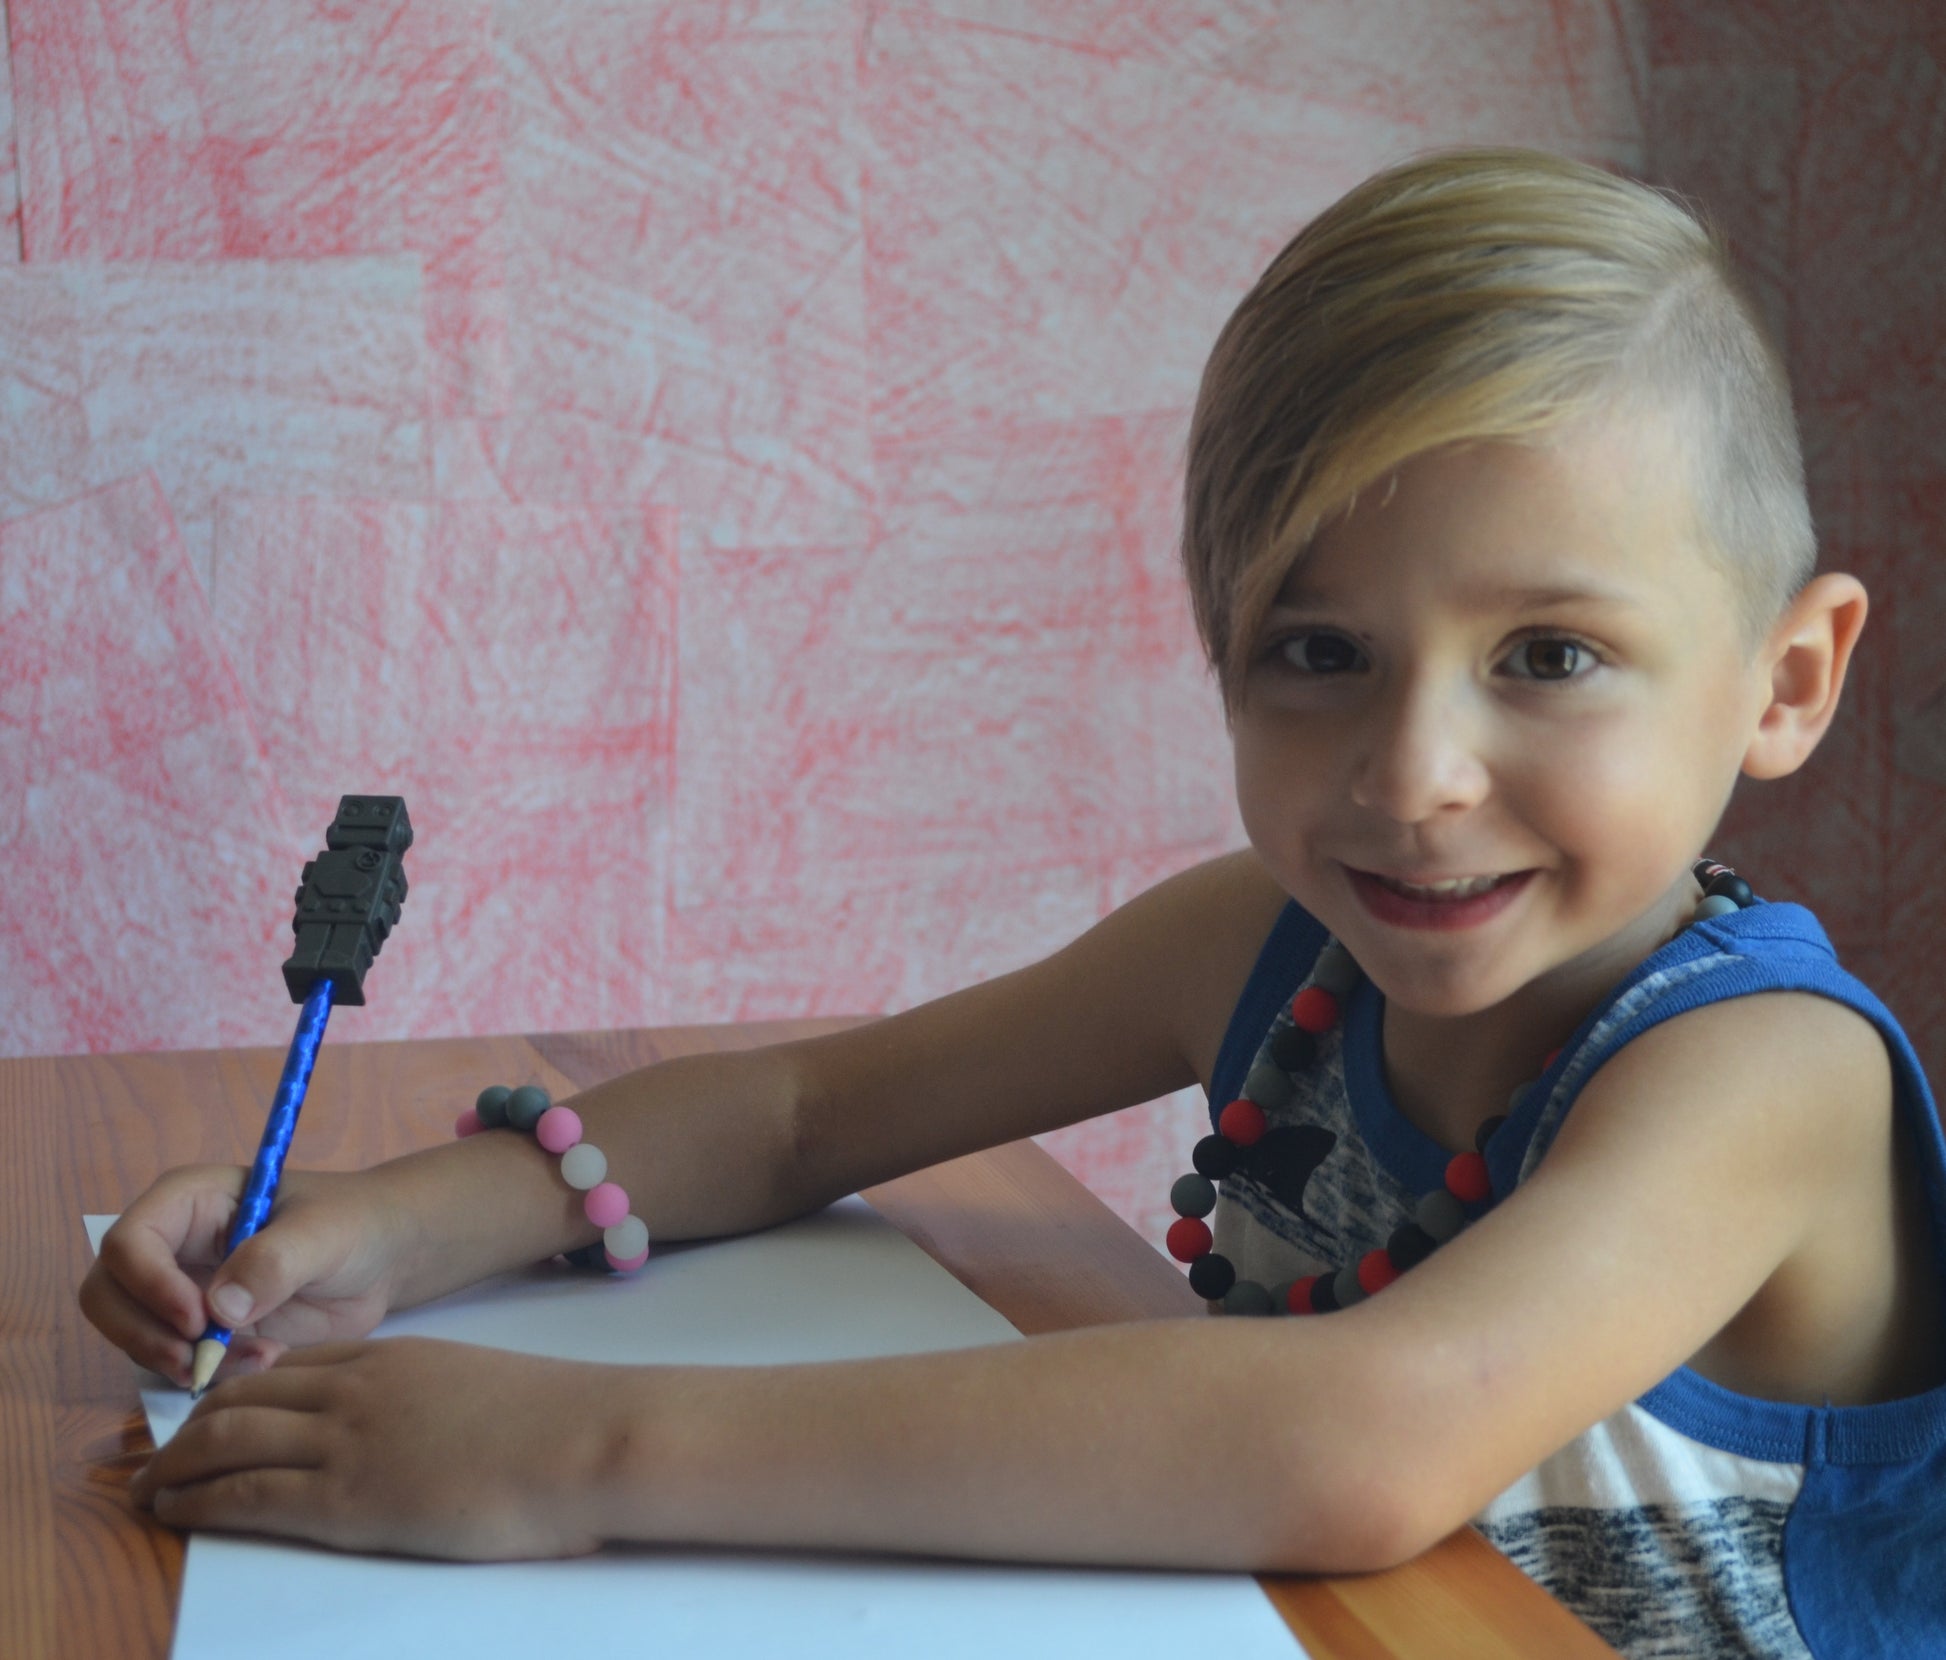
{"x":260,"y":1190}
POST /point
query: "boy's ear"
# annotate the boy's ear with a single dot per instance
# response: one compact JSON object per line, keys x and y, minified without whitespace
{"x":1808,"y":652}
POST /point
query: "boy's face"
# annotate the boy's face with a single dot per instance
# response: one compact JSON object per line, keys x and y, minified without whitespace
{"x":1518,"y":671}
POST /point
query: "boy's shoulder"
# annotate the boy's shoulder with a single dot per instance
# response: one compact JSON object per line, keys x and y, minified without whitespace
{"x":1234,"y":896}
{"x":1756,"y":995}
{"x":1192,"y":940}
{"x":1720,"y":1036}
{"x":1778,"y":1107}
{"x":1739,"y":989}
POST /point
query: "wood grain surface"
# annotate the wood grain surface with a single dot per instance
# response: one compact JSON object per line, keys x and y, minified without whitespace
{"x":84,"y":1575}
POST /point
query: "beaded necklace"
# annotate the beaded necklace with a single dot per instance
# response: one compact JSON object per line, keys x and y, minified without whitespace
{"x":1245,"y":1144}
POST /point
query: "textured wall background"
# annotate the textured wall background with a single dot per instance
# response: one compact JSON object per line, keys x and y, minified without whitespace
{"x":1816,"y":132}
{"x":718,"y":461}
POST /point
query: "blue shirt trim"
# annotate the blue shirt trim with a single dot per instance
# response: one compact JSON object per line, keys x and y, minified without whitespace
{"x":1295,"y":940}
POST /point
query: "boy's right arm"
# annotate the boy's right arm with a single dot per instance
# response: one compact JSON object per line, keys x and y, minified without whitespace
{"x":716,"y":1144}
{"x":1134,"y":1008}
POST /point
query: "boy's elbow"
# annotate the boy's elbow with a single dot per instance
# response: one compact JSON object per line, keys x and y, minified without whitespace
{"x":1373,"y":1539}
{"x":1377,"y":1471}
{"x":1339,"y":1534}
{"x":1356,"y":1503}
{"x":1399,"y":1528}
{"x":1361,"y":1531}
{"x":1340,"y":1519}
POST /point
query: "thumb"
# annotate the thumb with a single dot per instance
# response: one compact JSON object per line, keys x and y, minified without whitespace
{"x":231,"y":1303}
{"x":257,"y":1277}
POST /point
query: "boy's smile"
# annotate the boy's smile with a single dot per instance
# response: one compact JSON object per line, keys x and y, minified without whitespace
{"x":1494,"y":714}
{"x":1427,"y":902}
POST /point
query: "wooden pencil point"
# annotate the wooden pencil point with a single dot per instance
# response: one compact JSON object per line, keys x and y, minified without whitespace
{"x":209,"y":1356}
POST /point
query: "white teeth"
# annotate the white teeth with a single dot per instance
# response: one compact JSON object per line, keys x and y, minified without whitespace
{"x":1463,"y":887}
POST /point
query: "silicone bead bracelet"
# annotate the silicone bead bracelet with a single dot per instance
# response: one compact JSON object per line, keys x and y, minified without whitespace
{"x":624,"y":1243}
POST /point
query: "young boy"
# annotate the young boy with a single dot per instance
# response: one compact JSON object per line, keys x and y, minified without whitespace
{"x":1619,"y":1208}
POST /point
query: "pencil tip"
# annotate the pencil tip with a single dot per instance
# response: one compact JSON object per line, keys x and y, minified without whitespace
{"x":209,"y":1355}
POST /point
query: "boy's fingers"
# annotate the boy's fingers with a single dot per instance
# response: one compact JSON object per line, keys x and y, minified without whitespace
{"x":292,"y":1389}
{"x":141,"y":1262}
{"x":134,"y":1328}
{"x":252,"y":1501}
{"x":230,"y":1440}
{"x":250,"y":1355}
{"x":326,"y":1354}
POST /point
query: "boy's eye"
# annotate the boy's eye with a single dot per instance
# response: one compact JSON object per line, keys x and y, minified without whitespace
{"x":1319,"y":653}
{"x":1548,"y":658}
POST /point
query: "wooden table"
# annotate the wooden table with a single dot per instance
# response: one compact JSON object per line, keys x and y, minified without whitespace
{"x":84,"y":1574}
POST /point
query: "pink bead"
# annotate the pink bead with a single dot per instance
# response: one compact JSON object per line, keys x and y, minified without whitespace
{"x":468,"y":1123}
{"x":605,"y":1205}
{"x":559,"y":1129}
{"x":626,"y":1265}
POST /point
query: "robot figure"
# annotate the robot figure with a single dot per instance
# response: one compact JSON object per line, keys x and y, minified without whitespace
{"x":350,"y":897}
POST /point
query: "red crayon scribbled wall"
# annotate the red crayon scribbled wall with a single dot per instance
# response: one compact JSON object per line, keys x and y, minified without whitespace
{"x":1816,"y":132}
{"x":717,"y":459}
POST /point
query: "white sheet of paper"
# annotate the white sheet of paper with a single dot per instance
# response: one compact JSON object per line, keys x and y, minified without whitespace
{"x":842,"y":1284}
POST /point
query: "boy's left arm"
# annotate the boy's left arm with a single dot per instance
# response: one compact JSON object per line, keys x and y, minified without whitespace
{"x":1691,"y":1168}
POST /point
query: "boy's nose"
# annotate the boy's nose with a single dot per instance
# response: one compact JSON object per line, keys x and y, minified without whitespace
{"x":1419,"y":756}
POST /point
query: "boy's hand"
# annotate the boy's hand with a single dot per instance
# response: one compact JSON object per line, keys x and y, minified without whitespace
{"x":409,"y":1445}
{"x":323,"y":1268}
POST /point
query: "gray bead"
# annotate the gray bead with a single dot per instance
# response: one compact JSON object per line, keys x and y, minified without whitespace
{"x":1280,"y":1296}
{"x":525,"y":1106}
{"x":1269,"y":1086}
{"x":1345,"y":1286}
{"x":1440,"y":1214}
{"x":1246,"y":1297}
{"x":1336,"y":971}
{"x":1717,"y":904}
{"x":1193,"y":1195}
{"x":492,"y":1106}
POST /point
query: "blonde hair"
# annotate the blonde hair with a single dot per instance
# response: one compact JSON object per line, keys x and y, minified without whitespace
{"x":1472,"y":295}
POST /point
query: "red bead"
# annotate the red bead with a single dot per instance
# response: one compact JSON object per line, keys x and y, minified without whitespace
{"x":1553,"y":1055}
{"x":1242,"y":1121}
{"x":1188,"y":1238}
{"x":1467,"y":1180}
{"x":1298,"y":1299}
{"x":1314,"y":1009}
{"x":1375,"y":1271}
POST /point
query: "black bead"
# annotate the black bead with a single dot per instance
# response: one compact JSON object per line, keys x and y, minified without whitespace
{"x":1216,"y":1156}
{"x":1294,"y":1049}
{"x":1323,"y":1299}
{"x":1731,"y":886}
{"x":1484,"y":1133}
{"x":1409,"y":1246}
{"x":1210,"y":1276}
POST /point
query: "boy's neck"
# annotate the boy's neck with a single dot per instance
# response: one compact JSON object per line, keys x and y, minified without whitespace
{"x":1448,"y":1074}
